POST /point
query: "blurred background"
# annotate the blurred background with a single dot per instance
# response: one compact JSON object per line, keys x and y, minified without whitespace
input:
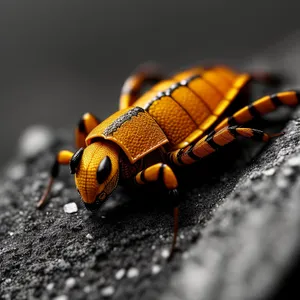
{"x":59,"y":59}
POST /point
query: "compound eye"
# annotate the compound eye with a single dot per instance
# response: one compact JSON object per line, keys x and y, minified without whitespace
{"x":104,"y":169}
{"x":75,"y":160}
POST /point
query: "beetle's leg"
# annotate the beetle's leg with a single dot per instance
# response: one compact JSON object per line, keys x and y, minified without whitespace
{"x":147,"y":73}
{"x":270,"y":79}
{"x":163,"y":173}
{"x":62,"y":158}
{"x":212,"y":142}
{"x":260,"y":107}
{"x":85,"y":125}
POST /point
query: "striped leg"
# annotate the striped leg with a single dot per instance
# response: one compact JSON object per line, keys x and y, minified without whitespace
{"x":62,"y":158}
{"x":260,"y":107}
{"x":162,"y":172}
{"x":211,"y":143}
{"x":147,"y":73}
{"x":86,"y":124}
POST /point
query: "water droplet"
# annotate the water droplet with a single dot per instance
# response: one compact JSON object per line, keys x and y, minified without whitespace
{"x":132,"y":272}
{"x":120,"y":274}
{"x":70,"y":208}
{"x":107,"y":291}
{"x":156,"y":269}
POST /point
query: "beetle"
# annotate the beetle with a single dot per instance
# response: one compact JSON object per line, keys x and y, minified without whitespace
{"x":178,"y":121}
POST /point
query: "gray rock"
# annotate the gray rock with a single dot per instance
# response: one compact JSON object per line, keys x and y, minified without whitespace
{"x":238,"y":236}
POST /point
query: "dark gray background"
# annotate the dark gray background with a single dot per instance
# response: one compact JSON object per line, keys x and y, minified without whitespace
{"x":59,"y":59}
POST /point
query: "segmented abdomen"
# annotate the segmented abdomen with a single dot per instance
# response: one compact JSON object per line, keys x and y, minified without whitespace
{"x":186,"y":105}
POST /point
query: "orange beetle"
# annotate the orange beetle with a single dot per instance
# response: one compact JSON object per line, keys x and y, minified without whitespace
{"x":165,"y":126}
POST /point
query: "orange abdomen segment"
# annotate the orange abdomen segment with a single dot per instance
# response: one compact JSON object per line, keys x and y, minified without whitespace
{"x":192,"y":104}
{"x":172,"y":119}
{"x":192,"y":101}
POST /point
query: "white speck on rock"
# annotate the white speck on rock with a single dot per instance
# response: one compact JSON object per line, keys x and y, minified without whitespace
{"x":81,"y":274}
{"x":156,"y":269}
{"x":10,"y":233}
{"x":7,"y":281}
{"x":61,"y":297}
{"x":70,"y":282}
{"x":34,"y":140}
{"x":87,"y":289}
{"x":132,"y":272}
{"x":107,"y":291}
{"x":57,"y":188}
{"x":287,"y":171}
{"x":89,"y":236}
{"x":50,"y":286}
{"x":120,"y":274}
{"x":70,"y":208}
{"x":165,"y":253}
{"x":294,"y":162}
{"x":269,"y":172}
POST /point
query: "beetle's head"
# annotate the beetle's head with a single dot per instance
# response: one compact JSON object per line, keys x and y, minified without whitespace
{"x":96,"y":171}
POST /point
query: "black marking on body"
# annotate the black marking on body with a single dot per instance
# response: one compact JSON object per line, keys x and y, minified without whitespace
{"x":103,"y":169}
{"x":191,"y":154}
{"x":258,"y":135}
{"x":178,"y":156}
{"x":298,"y":96}
{"x":210,"y":141}
{"x":161,"y":173}
{"x":170,"y":90}
{"x":231,"y":121}
{"x":75,"y":160}
{"x":115,"y":125}
{"x":81,"y":126}
{"x":232,"y":131}
{"x":55,"y":169}
{"x":143,"y":178}
{"x":275,"y":100}
{"x":253,"y":111}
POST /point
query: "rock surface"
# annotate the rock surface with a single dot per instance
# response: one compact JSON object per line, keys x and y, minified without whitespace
{"x":238,"y":238}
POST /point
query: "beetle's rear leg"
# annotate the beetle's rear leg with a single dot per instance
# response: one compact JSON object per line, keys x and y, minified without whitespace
{"x":212,"y":142}
{"x":260,"y":107}
{"x":62,"y":158}
{"x":85,"y":125}
{"x":270,"y":79}
{"x":163,"y":173}
{"x":131,"y":90}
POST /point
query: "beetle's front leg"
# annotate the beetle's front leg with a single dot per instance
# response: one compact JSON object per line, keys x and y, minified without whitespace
{"x":62,"y":158}
{"x":85,"y":125}
{"x":163,"y":173}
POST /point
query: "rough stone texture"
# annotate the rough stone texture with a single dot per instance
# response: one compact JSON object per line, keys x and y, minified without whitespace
{"x":243,"y":214}
{"x":239,"y":226}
